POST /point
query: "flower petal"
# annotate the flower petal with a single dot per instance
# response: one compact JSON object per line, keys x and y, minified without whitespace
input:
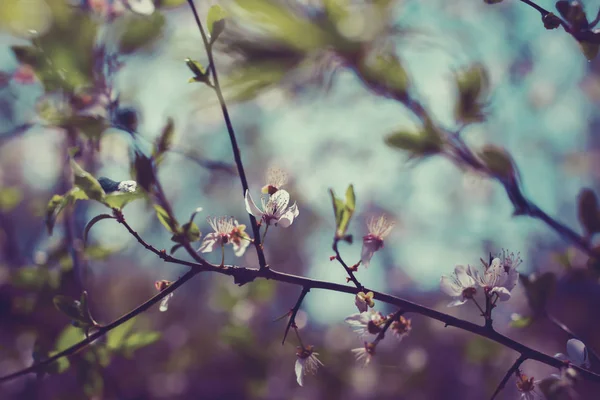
{"x":251,"y":206}
{"x":288,"y":217}
{"x":449,"y":286}
{"x":239,"y":249}
{"x":143,"y":7}
{"x":457,"y":302}
{"x":209,"y":243}
{"x":578,"y":352}
{"x":164,"y":304}
{"x":279,"y":201}
{"x":502,"y":292}
{"x":464,"y":279}
{"x":299,"y":368}
{"x":368,"y":249}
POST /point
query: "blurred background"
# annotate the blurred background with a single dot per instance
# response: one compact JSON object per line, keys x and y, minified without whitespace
{"x":106,"y":75}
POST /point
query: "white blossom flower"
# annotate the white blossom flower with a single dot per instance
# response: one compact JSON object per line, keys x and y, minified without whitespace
{"x":460,"y":285}
{"x":276,"y":210}
{"x":364,"y":354}
{"x":577,"y":353}
{"x":526,"y":386}
{"x":127,"y":186}
{"x":226,"y":230}
{"x":510,"y":262}
{"x":378,"y":229}
{"x":369,"y":322}
{"x":492,"y":280}
{"x":276,"y":178}
{"x":560,"y":385}
{"x":307,"y":361}
{"x":401,"y":328}
{"x":364,"y":301}
{"x":160,"y":286}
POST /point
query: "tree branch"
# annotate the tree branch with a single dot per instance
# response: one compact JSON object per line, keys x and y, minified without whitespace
{"x":234,"y":146}
{"x":348,"y":269}
{"x":511,"y":371}
{"x":292,"y":321}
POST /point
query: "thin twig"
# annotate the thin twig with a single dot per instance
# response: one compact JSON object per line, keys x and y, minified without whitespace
{"x":348,"y":270}
{"x":292,"y":321}
{"x":388,"y":323}
{"x":234,"y":146}
{"x":568,"y":331}
{"x":508,"y":374}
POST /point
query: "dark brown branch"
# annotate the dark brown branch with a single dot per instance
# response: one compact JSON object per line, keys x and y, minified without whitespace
{"x":387,"y":325}
{"x":234,"y":146}
{"x":512,"y":370}
{"x":292,"y":321}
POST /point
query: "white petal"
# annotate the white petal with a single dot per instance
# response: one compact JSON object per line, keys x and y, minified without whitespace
{"x":288,"y":217}
{"x":577,"y":352}
{"x":280,"y":200}
{"x":164,"y":304}
{"x":143,"y":7}
{"x":127,"y":186}
{"x":512,"y":279}
{"x":368,"y":249}
{"x":358,"y":319}
{"x":457,"y":302}
{"x":502,"y":292}
{"x":361,"y":304}
{"x":449,"y":287}
{"x":299,"y":368}
{"x":463,"y":278}
{"x":561,"y":357}
{"x":239,"y":250}
{"x":209,"y":243}
{"x":251,"y":206}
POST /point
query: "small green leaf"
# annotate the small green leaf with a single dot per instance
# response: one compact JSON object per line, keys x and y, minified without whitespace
{"x":10,"y":198}
{"x":59,"y":366}
{"x":165,"y":219}
{"x":520,"y":321}
{"x":86,"y":182}
{"x":116,"y":337}
{"x":343,"y":211}
{"x":89,"y":225}
{"x":215,"y":21}
{"x":472,"y":86}
{"x":350,"y":198}
{"x":418,"y":144}
{"x":69,"y":306}
{"x":498,"y":161}
{"x":119,"y":200}
{"x":138,"y":340}
{"x":56,"y":204}
{"x":165,"y":140}
{"x":140,"y":31}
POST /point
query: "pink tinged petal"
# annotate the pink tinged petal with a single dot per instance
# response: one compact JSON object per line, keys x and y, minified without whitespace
{"x":251,"y":206}
{"x":502,"y":292}
{"x":210,"y":241}
{"x":578,"y":352}
{"x":450,"y":287}
{"x":512,"y":279}
{"x":368,"y":249}
{"x":361,"y":304}
{"x":164,"y":304}
{"x":299,"y":368}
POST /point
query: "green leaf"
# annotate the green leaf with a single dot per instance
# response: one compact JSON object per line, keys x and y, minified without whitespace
{"x":418,"y":144}
{"x":472,"y":86}
{"x":588,"y":212}
{"x":520,"y":321}
{"x":165,"y":219}
{"x":138,"y":340}
{"x":69,"y":306}
{"x":56,"y":204}
{"x":343,"y":211}
{"x":10,"y":198}
{"x":350,"y":198}
{"x":68,"y":337}
{"x":59,"y":366}
{"x":190,"y":231}
{"x":498,"y":161}
{"x":165,"y":141}
{"x":385,"y":72}
{"x":215,"y":21}
{"x":90,"y":126}
{"x":94,"y":220}
{"x":119,"y":200}
{"x":86,"y":182}
{"x":139,"y":31}
{"x":116,"y":337}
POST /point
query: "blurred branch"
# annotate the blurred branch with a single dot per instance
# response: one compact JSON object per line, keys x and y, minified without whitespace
{"x":512,"y":370}
{"x":292,"y":322}
{"x":349,"y":271}
{"x":569,"y":332}
{"x":387,"y":325}
{"x":234,"y":146}
{"x":104,"y":329}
